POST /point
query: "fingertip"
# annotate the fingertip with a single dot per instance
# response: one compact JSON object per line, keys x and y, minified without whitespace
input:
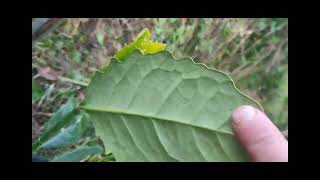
{"x":258,"y":135}
{"x":243,"y":113}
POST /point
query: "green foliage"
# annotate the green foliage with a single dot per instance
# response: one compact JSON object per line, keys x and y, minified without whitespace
{"x":68,"y":135}
{"x":75,"y":56}
{"x":78,"y":154}
{"x":37,"y":91}
{"x":100,"y":38}
{"x":278,"y":103}
{"x":66,"y":127}
{"x":63,"y":117}
{"x":156,"y":108}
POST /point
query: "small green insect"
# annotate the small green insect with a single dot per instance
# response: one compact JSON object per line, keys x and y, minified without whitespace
{"x":141,"y":42}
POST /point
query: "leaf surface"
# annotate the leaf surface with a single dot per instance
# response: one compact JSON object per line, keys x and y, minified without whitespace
{"x":156,"y":108}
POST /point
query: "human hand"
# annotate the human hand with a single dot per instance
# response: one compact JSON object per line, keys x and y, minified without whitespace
{"x":259,"y":136}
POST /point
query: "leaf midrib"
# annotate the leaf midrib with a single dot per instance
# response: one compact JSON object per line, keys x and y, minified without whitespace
{"x":116,"y":111}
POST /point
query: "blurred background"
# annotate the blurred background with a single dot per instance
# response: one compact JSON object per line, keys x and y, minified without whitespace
{"x":253,"y":51}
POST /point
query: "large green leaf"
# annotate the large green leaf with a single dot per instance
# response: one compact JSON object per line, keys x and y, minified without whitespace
{"x":156,"y":108}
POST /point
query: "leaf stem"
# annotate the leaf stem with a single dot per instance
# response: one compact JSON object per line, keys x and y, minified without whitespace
{"x":80,"y":83}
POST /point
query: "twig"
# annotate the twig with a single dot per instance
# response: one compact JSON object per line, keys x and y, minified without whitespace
{"x":42,"y":114}
{"x":36,"y":76}
{"x":275,"y":57}
{"x":80,"y":83}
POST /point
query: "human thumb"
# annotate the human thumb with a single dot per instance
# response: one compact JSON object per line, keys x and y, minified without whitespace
{"x":259,"y":136}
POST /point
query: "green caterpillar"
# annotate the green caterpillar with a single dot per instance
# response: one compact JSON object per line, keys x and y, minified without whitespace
{"x":141,"y":42}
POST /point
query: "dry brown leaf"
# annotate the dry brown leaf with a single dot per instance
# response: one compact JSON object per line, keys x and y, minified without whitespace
{"x":48,"y":73}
